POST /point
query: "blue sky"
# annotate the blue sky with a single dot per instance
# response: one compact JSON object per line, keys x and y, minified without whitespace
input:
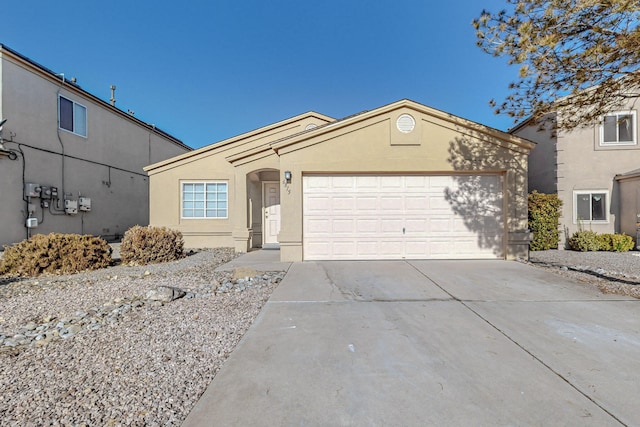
{"x":208,"y":70}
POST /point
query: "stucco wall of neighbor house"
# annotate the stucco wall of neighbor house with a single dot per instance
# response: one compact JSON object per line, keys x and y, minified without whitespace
{"x":543,"y":167}
{"x":106,"y":165}
{"x":244,"y":162}
{"x":436,"y":146}
{"x":629,"y":191}
{"x":583,"y":164}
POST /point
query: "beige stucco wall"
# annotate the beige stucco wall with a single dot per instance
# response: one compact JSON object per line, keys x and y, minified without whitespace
{"x":367,"y":143}
{"x":232,"y":161}
{"x":376,"y":146}
{"x":581,"y":164}
{"x":629,"y":194}
{"x":106,"y":166}
{"x":543,"y":165}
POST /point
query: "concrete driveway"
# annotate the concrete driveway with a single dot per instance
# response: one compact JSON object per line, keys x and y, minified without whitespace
{"x":431,"y":343}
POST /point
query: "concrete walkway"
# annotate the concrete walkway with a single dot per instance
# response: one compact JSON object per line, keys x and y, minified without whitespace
{"x":431,"y":343}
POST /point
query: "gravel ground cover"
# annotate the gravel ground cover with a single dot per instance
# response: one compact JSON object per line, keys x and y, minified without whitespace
{"x":97,"y":349}
{"x":611,"y":272}
{"x":101,"y":348}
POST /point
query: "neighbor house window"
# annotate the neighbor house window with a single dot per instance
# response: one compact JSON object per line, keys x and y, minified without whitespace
{"x":590,"y":206}
{"x":72,"y":116}
{"x":204,"y":199}
{"x":618,"y":129}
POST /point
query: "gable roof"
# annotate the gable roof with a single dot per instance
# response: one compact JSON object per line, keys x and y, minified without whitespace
{"x":330,"y":125}
{"x":407,"y":103}
{"x":242,"y":139}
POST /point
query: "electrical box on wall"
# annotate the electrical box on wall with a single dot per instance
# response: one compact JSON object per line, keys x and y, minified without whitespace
{"x":45,"y":192}
{"x":71,"y":207}
{"x":32,"y":222}
{"x":32,"y":190}
{"x":54,"y":192}
{"x":84,"y":204}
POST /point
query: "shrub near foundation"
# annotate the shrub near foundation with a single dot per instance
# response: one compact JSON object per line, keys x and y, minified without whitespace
{"x":150,"y":245}
{"x":615,"y":242}
{"x":55,"y":253}
{"x":587,"y":240}
{"x":544,"y":218}
{"x":584,"y":241}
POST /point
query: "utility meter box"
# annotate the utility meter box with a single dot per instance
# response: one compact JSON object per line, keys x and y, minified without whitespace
{"x":71,"y":207}
{"x":31,"y":189}
{"x":45,"y":192}
{"x":84,"y":204}
{"x":54,"y":192}
{"x":32,"y":222}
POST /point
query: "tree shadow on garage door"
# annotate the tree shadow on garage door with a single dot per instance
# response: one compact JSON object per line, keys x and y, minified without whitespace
{"x":489,"y":172}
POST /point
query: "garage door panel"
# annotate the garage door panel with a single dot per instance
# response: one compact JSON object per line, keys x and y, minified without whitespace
{"x":393,"y":225}
{"x":391,"y":183}
{"x":392,"y":204}
{"x":396,"y":217}
{"x":317,"y":225}
{"x":367,"y":204}
{"x":318,"y":205}
{"x":343,"y":226}
{"x":367,"y":226}
{"x":416,"y":204}
{"x":343,"y":203}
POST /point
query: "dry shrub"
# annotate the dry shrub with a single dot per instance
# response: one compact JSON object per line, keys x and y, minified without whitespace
{"x":55,"y":253}
{"x":149,"y":245}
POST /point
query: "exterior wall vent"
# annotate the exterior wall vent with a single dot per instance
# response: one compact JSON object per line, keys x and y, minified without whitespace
{"x":405,"y":123}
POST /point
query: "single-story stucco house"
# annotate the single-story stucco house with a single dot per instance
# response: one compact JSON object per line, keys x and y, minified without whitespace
{"x":403,"y":181}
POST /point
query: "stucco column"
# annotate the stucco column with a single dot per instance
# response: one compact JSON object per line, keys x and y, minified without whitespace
{"x":290,"y":237}
{"x":241,"y":233}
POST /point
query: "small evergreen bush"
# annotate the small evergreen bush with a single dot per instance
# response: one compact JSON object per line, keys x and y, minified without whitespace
{"x":584,"y":240}
{"x":55,"y":253}
{"x":621,"y":242}
{"x":587,"y":240}
{"x":605,"y":242}
{"x":544,"y":219}
{"x":149,"y":245}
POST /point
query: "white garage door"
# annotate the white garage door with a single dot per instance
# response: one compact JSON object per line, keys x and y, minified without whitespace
{"x":402,"y":217}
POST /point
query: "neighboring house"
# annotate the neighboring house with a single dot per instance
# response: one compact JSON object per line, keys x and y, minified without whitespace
{"x":403,"y":181}
{"x":594,"y":171}
{"x":70,"y":162}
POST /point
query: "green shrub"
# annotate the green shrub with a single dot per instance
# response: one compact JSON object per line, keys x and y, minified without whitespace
{"x":584,"y":240}
{"x":621,"y":242}
{"x":148,"y":245}
{"x":55,"y":253}
{"x":605,"y":242}
{"x":544,"y":219}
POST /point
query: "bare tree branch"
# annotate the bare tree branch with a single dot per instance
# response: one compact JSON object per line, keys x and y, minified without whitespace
{"x":579,"y":55}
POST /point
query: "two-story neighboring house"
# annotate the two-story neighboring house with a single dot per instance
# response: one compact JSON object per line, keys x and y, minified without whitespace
{"x":592,"y":169}
{"x":69,"y":161}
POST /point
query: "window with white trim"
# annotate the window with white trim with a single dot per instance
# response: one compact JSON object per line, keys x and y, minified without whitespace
{"x":205,"y":200}
{"x":72,"y":116}
{"x":618,"y":128}
{"x":590,"y":206}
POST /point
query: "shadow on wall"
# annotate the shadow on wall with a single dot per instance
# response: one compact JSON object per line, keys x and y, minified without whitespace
{"x":479,"y":199}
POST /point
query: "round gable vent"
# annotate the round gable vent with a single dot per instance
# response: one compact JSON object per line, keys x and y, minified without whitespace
{"x":311,"y":126}
{"x":405,"y":123}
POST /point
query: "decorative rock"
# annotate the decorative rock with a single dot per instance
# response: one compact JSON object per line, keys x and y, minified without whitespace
{"x":165,"y":294}
{"x":244,"y":272}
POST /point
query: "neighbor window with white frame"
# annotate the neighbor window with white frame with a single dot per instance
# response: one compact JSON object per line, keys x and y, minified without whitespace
{"x":205,"y":199}
{"x":618,"y":128}
{"x":72,"y":116}
{"x":590,"y":206}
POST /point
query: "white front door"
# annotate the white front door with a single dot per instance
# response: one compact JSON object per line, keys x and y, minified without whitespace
{"x":271,"y":212}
